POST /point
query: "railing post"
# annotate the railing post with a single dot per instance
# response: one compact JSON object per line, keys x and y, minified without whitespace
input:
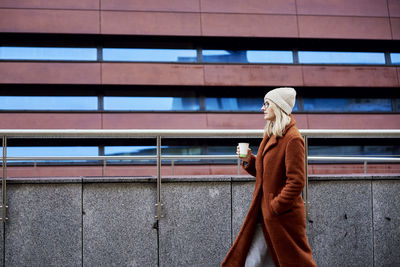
{"x":159,"y":204}
{"x":104,"y":167}
{"x":365,"y":167}
{"x":35,"y":167}
{"x":307,"y":208}
{"x":4,"y":182}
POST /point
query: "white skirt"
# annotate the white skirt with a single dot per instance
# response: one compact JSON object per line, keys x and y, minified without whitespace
{"x":258,"y":255}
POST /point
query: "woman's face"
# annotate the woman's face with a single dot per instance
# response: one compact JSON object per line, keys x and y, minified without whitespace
{"x":268,"y":112}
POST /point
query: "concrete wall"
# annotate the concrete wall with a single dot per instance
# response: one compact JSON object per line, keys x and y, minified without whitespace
{"x":355,"y":221}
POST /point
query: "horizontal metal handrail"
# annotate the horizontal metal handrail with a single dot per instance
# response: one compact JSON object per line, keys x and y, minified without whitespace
{"x":353,"y":159}
{"x":169,"y":157}
{"x":192,"y":157}
{"x":235,"y":133}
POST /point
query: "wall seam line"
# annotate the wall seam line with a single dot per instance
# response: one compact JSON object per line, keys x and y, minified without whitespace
{"x":4,"y":244}
{"x":389,"y":17}
{"x":373,"y":221}
{"x":82,"y":223}
{"x":231,"y":211}
{"x":201,"y":19}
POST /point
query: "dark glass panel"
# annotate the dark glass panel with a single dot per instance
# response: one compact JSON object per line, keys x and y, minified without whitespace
{"x":347,"y":105}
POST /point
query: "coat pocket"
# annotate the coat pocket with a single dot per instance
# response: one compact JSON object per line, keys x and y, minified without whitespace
{"x":271,"y":210}
{"x":278,"y":213}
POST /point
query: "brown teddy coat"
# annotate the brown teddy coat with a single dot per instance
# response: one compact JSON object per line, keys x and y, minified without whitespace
{"x":279,"y":169}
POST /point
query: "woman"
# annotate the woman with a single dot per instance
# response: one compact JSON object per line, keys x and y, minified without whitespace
{"x":274,"y":230}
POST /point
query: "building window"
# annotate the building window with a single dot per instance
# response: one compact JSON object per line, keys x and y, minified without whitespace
{"x":362,"y":58}
{"x":395,"y":58}
{"x":52,"y":151}
{"x":133,"y":103}
{"x":355,"y":151}
{"x":347,"y":105}
{"x":149,"y":55}
{"x":235,"y":104}
{"x":48,"y":103}
{"x":48,"y":53}
{"x":247,"y":56}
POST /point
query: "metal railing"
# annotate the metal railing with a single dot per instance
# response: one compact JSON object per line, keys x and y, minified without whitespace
{"x":159,"y":134}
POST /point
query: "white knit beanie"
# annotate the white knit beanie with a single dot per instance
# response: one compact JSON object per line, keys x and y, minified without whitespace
{"x":283,"y":97}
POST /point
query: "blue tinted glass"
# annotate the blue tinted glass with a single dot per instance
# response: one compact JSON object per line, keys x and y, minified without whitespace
{"x":48,"y":102}
{"x":44,"y":151}
{"x":395,"y":58}
{"x":48,"y":53}
{"x":149,"y":55}
{"x":236,"y":104}
{"x":250,"y":56}
{"x":398,"y":104}
{"x":347,"y":104}
{"x":151,"y":103}
{"x":314,"y":57}
{"x":233,"y":104}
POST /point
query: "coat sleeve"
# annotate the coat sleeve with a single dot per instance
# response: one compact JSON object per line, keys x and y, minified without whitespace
{"x":295,"y":176}
{"x":251,"y":167}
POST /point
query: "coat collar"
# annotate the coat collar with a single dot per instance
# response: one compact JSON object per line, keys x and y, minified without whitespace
{"x":273,"y":140}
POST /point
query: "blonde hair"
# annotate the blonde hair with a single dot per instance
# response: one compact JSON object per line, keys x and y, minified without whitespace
{"x":281,"y":121}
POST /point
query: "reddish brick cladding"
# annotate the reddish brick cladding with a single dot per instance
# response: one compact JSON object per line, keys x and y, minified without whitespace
{"x":197,"y":74}
{"x":189,"y":121}
{"x":50,"y":4}
{"x":364,"y":19}
{"x":394,"y":8}
{"x":49,"y":73}
{"x":49,"y":21}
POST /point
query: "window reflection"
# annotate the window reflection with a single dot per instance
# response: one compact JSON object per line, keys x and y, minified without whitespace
{"x":347,"y":105}
{"x":236,"y":104}
{"x":361,"y":150}
{"x":51,"y":151}
{"x":316,"y":57}
{"x":249,"y":56}
{"x":48,"y":103}
{"x":151,"y":103}
{"x":149,"y":55}
{"x":152,"y":151}
{"x":395,"y":58}
{"x":48,"y":53}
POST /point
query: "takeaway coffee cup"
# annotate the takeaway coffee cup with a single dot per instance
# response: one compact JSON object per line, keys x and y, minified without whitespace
{"x":243,"y":149}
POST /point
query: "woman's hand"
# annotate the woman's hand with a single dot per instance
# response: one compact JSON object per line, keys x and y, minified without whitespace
{"x":247,"y":158}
